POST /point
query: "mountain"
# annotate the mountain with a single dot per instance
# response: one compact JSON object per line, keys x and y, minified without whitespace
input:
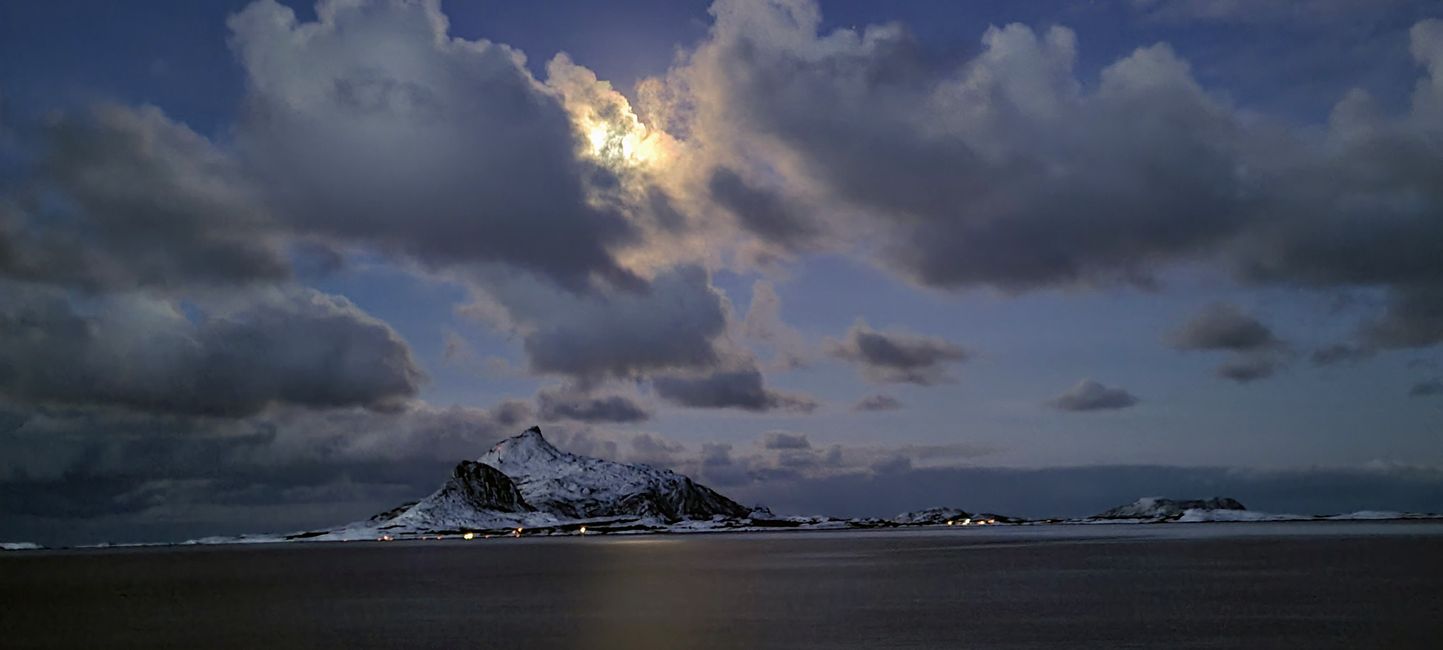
{"x":20,"y":546}
{"x":1159,"y":509}
{"x":526,"y":482}
{"x":476,"y":496}
{"x":932,"y":517}
{"x":570,"y":486}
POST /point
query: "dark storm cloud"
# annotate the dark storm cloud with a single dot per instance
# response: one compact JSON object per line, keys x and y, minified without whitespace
{"x":1339,"y":353}
{"x":785,"y":440}
{"x":1221,"y":326}
{"x":654,"y":450}
{"x":1089,"y":395}
{"x":1414,"y":318}
{"x":124,"y":198}
{"x":894,"y":357}
{"x":296,"y":347}
{"x":1426,"y":388}
{"x":567,"y":404}
{"x":763,"y":213}
{"x":1247,"y":368}
{"x":374,"y":124}
{"x":671,"y":324}
{"x":1256,"y":353}
{"x":740,"y":389}
{"x":877,"y":403}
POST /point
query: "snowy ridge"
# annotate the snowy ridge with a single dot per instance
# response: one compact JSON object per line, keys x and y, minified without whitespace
{"x":20,"y":546}
{"x":525,"y":482}
{"x":477,"y":496}
{"x":580,"y":487}
{"x":931,"y":517}
{"x":1160,"y":509}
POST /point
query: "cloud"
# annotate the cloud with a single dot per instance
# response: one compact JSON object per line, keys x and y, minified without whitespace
{"x":375,"y":125}
{"x":1339,"y":353}
{"x":673,"y":323}
{"x":296,"y":346}
{"x":763,"y":325}
{"x":1222,"y":326}
{"x":1008,"y":170}
{"x":741,"y":389}
{"x":1256,"y":352}
{"x":897,"y":357}
{"x":569,"y":404}
{"x":785,"y":440}
{"x":877,"y":403}
{"x":1426,"y":388}
{"x":1413,"y":319}
{"x":125,"y":198}
{"x":1247,"y":368}
{"x":998,"y":171}
{"x":762,"y":212}
{"x":1089,"y":395}
{"x":655,"y":450}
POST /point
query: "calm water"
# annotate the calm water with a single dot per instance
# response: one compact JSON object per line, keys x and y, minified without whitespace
{"x":1294,"y":585}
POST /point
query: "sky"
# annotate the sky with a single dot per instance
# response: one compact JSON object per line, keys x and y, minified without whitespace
{"x":268,"y":266}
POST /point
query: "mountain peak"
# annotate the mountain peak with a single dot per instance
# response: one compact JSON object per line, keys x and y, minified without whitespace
{"x":523,"y":448}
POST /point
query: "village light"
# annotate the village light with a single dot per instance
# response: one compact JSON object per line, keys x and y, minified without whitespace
{"x":469,"y":536}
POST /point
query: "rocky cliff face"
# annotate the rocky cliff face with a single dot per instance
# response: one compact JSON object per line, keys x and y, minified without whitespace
{"x":475,"y":496}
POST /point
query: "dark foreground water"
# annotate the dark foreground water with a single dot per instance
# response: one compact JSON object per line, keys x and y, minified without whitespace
{"x":1258,"y":585}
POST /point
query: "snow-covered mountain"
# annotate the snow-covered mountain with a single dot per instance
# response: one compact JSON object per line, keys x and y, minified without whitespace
{"x":477,"y":496}
{"x":932,"y":517}
{"x":526,"y":482}
{"x":580,"y":487}
{"x":19,"y":546}
{"x":1160,"y":509}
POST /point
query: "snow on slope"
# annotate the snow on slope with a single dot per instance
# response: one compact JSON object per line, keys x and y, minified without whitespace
{"x":525,"y":482}
{"x":20,"y":546}
{"x":931,"y":516}
{"x":1160,"y":509}
{"x":580,"y":487}
{"x":477,"y":496}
